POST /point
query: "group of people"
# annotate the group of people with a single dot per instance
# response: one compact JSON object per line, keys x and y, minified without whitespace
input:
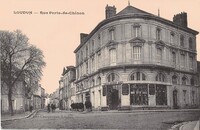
{"x":51,"y":107}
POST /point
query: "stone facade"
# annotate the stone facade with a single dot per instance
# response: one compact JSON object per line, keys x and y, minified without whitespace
{"x":135,"y":59}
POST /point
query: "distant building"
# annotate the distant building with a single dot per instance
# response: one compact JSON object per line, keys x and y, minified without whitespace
{"x":135,"y":59}
{"x":68,"y":90}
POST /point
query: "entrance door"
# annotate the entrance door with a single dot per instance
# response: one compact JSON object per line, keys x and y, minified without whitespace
{"x":175,"y":104}
{"x":112,"y":98}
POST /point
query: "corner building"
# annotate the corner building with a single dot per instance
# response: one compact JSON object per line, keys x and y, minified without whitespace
{"x":134,"y":59}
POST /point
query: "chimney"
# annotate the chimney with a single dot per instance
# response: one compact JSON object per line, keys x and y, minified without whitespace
{"x":180,"y":19}
{"x":83,"y":36}
{"x":110,"y":11}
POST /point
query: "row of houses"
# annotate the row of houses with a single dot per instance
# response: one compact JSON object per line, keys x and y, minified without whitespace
{"x":23,"y":97}
{"x":134,"y":59}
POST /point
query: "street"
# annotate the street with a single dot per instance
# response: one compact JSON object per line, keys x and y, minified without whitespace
{"x":102,"y":120}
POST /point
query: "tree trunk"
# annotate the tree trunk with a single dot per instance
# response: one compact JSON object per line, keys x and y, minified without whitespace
{"x":10,"y":100}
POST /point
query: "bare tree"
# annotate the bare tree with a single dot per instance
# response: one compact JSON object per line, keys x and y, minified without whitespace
{"x":18,"y":59}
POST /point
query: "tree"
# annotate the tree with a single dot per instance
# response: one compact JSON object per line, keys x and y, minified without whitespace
{"x":19,"y":59}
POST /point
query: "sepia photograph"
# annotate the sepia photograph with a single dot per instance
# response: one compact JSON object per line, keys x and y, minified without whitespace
{"x":104,"y":64}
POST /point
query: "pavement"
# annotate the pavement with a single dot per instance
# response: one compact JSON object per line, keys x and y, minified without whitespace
{"x":27,"y":114}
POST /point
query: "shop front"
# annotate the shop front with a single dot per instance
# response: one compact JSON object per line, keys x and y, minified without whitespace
{"x":133,"y":95}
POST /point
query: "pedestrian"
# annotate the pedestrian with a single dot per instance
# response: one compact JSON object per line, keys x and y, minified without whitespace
{"x":52,"y":107}
{"x":48,"y":108}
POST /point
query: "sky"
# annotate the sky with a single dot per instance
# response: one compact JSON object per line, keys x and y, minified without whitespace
{"x":59,"y":35}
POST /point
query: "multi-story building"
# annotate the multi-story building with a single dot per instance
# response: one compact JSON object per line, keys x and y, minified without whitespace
{"x":136,"y":59}
{"x":69,"y":77}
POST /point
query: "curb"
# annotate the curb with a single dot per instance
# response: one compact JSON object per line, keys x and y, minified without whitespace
{"x":34,"y":112}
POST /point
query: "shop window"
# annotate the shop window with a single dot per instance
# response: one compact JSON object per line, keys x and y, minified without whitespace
{"x":138,"y":94}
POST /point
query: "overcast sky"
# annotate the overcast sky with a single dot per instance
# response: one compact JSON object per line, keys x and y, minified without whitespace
{"x":59,"y":35}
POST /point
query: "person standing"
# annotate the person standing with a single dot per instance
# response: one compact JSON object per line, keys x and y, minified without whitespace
{"x":48,"y":108}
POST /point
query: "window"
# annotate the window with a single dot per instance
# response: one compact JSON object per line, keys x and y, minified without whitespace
{"x":138,"y":76}
{"x":136,"y":30}
{"x":182,"y":40}
{"x":113,"y":56}
{"x":112,"y":33}
{"x":184,"y":80}
{"x":172,"y":37}
{"x":190,"y":43}
{"x":87,"y":67}
{"x":191,"y":62}
{"x":183,"y":60}
{"x":86,"y":51}
{"x":174,"y":79}
{"x":113,"y":77}
{"x":159,"y":55}
{"x":174,"y":58}
{"x":160,"y":77}
{"x":99,"y":80}
{"x":137,"y":52}
{"x":93,"y":67}
{"x":192,"y":81}
{"x":93,"y":83}
{"x":92,"y":45}
{"x":138,"y":94}
{"x":158,"y":34}
{"x":99,"y":60}
{"x":193,"y":95}
{"x":184,"y":96}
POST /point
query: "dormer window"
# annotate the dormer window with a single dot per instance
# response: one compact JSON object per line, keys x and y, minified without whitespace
{"x":158,"y":34}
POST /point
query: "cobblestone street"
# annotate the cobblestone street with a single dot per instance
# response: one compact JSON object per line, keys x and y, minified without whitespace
{"x":104,"y":120}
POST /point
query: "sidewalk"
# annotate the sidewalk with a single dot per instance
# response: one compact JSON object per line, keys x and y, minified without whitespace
{"x":7,"y":117}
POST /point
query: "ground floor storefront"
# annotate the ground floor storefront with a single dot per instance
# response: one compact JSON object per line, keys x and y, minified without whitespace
{"x":120,"y":96}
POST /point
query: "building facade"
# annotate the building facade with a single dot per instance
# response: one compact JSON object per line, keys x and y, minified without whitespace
{"x":135,"y":59}
{"x":69,"y":76}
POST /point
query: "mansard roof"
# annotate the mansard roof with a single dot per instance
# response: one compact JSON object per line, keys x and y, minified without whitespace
{"x":132,"y":12}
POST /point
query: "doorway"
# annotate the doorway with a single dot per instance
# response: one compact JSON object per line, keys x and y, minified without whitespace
{"x":112,"y":97}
